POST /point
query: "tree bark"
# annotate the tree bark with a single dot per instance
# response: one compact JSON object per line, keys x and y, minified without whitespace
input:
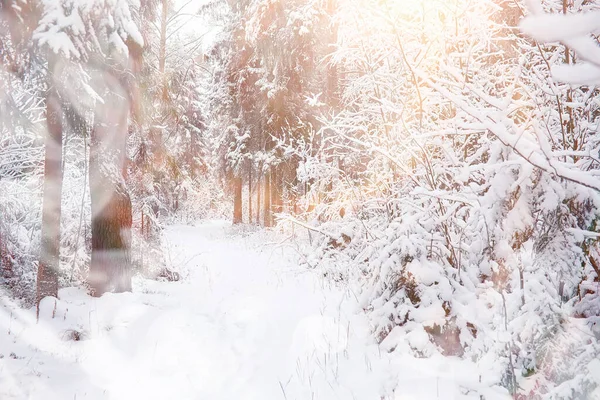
{"x":258,"y":191}
{"x":162,"y":58}
{"x":276,"y":190}
{"x":237,"y":200}
{"x":47,"y":276}
{"x":250,"y":192}
{"x":110,"y":267}
{"x":267,"y":200}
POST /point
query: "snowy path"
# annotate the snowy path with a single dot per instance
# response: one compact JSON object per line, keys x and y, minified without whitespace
{"x":245,"y":323}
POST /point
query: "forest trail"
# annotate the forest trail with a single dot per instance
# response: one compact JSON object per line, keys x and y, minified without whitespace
{"x":246,"y":322}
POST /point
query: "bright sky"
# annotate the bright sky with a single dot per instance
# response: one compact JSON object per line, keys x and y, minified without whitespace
{"x":192,"y":24}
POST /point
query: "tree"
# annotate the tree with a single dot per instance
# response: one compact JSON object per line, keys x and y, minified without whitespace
{"x":22,"y":120}
{"x":111,"y":203}
{"x":107,"y":99}
{"x":459,"y":184}
{"x":170,"y":153}
{"x":47,"y":281}
{"x":270,"y":68}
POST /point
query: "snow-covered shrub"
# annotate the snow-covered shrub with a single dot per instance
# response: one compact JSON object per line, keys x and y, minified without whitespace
{"x":473,"y":191}
{"x":19,"y":235}
{"x":21,"y":168}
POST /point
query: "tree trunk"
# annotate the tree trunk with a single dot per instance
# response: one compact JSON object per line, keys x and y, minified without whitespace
{"x":258,"y":200}
{"x":250,"y":193}
{"x":237,"y":200}
{"x":267,"y":200}
{"x":47,"y":277}
{"x":332,"y":78}
{"x":273,"y":185}
{"x":110,"y":267}
{"x":276,"y":190}
{"x":162,"y":57}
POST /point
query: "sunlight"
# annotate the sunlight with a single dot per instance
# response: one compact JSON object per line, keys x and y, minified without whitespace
{"x":299,"y":199}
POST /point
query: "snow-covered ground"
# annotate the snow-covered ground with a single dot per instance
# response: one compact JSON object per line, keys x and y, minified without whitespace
{"x":246,"y":322}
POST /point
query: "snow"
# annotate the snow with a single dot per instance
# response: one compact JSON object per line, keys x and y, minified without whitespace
{"x":246,"y":323}
{"x":573,"y":30}
{"x":578,"y":74}
{"x":556,"y":27}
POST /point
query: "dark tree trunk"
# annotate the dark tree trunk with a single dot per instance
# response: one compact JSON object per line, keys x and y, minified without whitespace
{"x":277,"y":190}
{"x":250,"y":193}
{"x":110,"y":267}
{"x":267,"y":200}
{"x":273,"y":184}
{"x":237,"y":200}
{"x":47,"y":277}
{"x":258,"y":200}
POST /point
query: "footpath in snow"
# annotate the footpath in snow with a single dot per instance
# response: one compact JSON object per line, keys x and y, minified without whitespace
{"x":245,"y":322}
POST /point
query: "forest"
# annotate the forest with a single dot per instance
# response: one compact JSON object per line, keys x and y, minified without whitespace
{"x":299,"y":199}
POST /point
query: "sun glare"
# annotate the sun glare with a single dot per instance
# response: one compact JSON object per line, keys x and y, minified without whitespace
{"x":299,"y":199}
